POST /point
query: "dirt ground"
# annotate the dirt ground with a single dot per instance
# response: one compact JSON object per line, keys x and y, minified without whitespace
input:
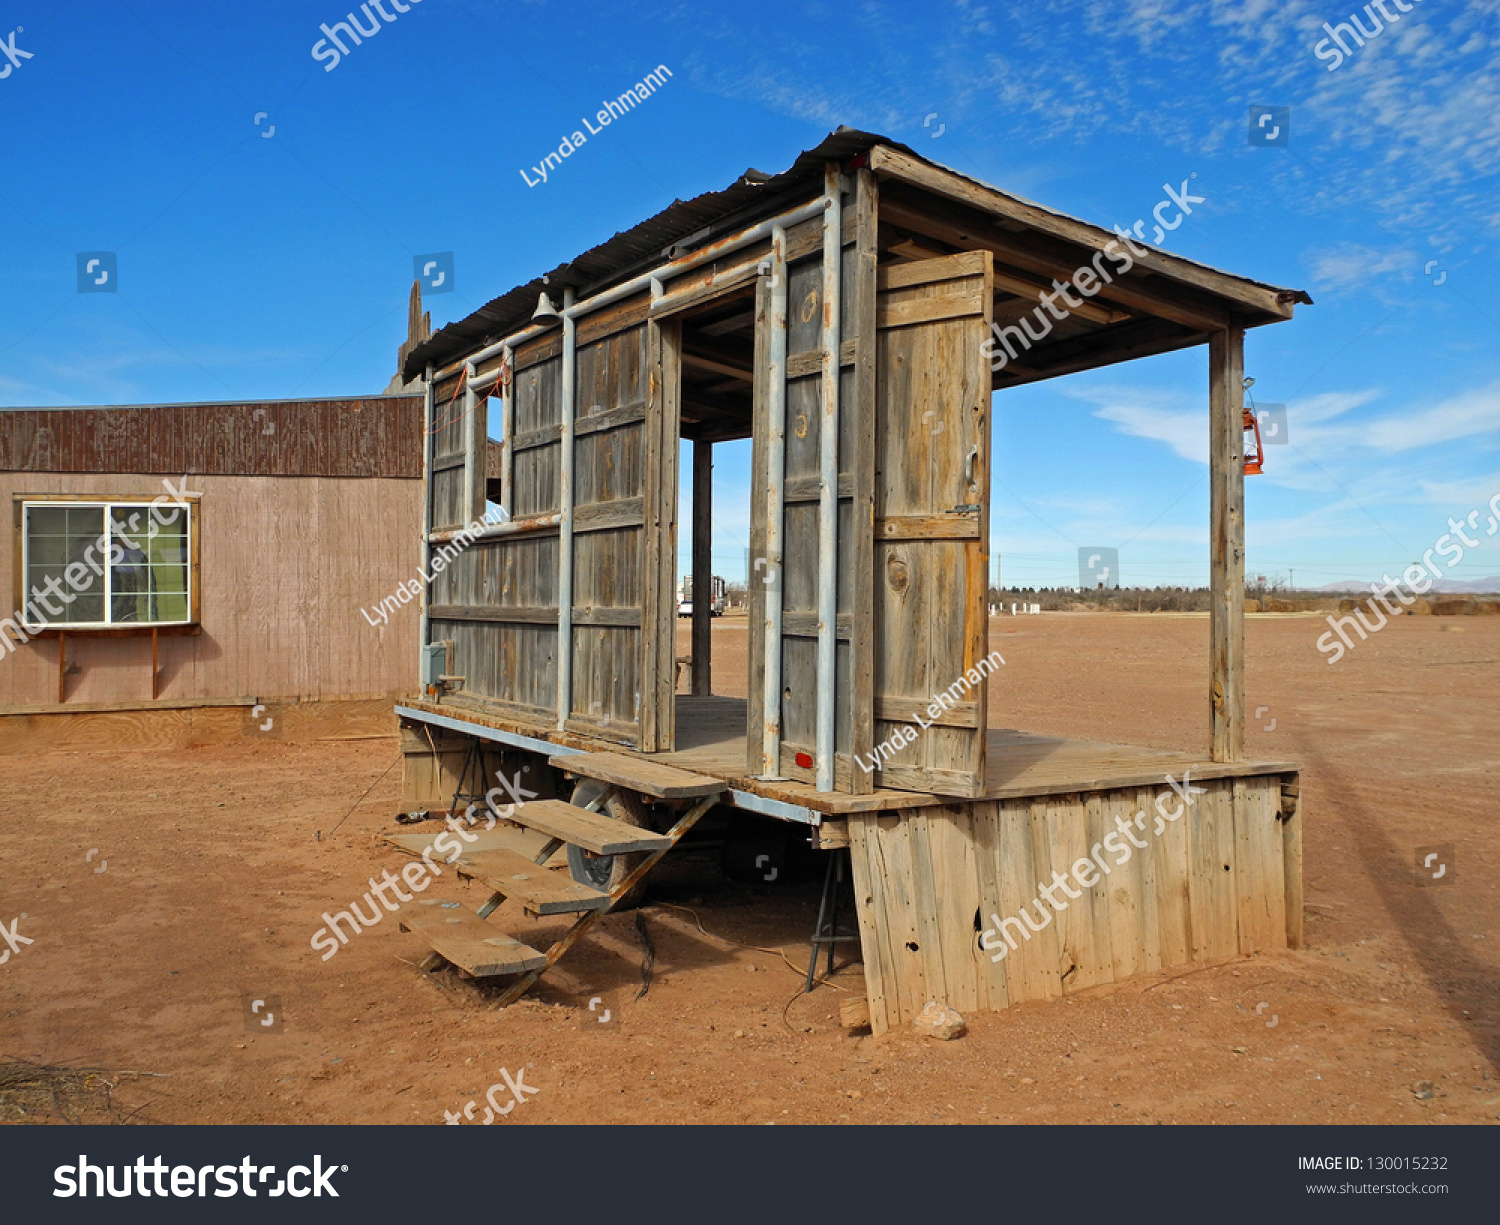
{"x":216,"y":879}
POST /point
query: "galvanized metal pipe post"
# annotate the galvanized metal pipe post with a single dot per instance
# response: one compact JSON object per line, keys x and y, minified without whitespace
{"x":422,"y":625}
{"x":565,"y":534}
{"x":683,"y":263}
{"x":770,"y":766}
{"x":507,"y":434}
{"x":471,"y":457}
{"x":828,"y":479}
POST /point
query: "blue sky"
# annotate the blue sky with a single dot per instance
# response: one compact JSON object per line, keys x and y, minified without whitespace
{"x":256,"y":265}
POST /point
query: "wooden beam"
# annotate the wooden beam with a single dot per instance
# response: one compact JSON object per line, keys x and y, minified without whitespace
{"x":491,"y":613}
{"x":717,"y":431}
{"x":698,"y":362}
{"x":1032,"y":291}
{"x":1226,"y":392}
{"x":1015,"y":374}
{"x":702,"y":592}
{"x":1291,"y":858}
{"x":741,"y":321}
{"x":1054,"y":259}
{"x":1014,"y":283}
{"x":911,"y":169}
{"x":1118,"y":343}
{"x":910,"y":249}
{"x":724,"y":405}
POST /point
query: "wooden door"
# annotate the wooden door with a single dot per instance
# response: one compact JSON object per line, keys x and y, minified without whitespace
{"x":932,"y":524}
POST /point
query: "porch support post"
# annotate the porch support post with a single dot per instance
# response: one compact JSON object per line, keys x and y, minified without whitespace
{"x":1226,"y":446}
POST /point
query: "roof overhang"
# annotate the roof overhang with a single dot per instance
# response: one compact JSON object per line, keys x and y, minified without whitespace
{"x":1166,"y":302}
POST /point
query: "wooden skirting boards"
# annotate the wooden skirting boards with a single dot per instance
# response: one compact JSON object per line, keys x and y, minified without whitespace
{"x":181,"y":725}
{"x":933,"y":884}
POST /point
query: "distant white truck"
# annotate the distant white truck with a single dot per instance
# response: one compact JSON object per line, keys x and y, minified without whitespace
{"x":718,"y":592}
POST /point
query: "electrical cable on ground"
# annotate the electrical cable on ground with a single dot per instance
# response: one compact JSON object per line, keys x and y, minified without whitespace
{"x":817,"y":982}
{"x":361,"y":799}
{"x":649,"y":949}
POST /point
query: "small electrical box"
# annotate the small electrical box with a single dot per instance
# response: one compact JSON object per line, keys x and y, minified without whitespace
{"x":434,"y":663}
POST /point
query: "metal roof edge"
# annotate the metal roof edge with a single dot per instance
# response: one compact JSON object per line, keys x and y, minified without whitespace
{"x":634,"y":250}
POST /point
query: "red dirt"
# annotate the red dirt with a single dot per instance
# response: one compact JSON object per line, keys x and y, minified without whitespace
{"x":215,"y":884}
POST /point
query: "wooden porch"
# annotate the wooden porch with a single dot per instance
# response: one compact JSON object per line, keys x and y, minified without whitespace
{"x":711,"y":739}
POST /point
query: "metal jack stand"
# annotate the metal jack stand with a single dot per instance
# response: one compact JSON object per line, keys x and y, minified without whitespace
{"x":474,"y":759}
{"x":828,"y":933}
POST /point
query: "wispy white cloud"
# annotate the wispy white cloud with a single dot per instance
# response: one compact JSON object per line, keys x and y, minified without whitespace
{"x":1351,"y":446}
{"x":1351,"y":265}
{"x":1164,"y":416}
{"x":1173,"y":417}
{"x":1467,"y":415}
{"x":1403,"y":128}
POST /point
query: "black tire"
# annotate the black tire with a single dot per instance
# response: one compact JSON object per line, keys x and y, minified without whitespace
{"x":604,"y":872}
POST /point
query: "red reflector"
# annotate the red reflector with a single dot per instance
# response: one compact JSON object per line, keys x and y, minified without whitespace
{"x":805,"y":760}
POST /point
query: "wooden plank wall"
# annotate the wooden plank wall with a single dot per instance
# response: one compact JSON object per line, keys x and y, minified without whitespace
{"x":609,"y":581}
{"x":450,"y":434}
{"x":799,"y":481}
{"x":358,"y":437}
{"x":935,"y":884}
{"x":177,"y":725}
{"x":433,"y":760}
{"x":286,"y":566}
{"x":497,"y":601}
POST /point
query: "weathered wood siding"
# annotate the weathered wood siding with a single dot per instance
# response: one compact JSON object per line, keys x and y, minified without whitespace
{"x":497,"y":601}
{"x":286,"y":566}
{"x":362,"y":437}
{"x":931,"y":519}
{"x":799,"y":485}
{"x":935,"y":884}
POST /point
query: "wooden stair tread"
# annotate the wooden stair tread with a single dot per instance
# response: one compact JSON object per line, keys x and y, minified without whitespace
{"x":578,"y":826}
{"x":539,"y":890}
{"x":468,"y":941}
{"x":651,"y":778}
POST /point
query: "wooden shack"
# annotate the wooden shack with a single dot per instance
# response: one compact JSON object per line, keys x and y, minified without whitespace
{"x":853,"y":316}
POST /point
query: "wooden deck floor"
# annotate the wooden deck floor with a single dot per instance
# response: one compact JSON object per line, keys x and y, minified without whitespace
{"x":711,"y":740}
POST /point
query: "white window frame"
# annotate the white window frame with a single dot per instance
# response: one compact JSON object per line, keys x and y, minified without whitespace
{"x":189,"y":506}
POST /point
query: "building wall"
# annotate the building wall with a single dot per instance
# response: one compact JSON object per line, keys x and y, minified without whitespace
{"x":287,"y":565}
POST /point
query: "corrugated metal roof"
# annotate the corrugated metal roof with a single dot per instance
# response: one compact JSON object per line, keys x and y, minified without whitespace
{"x":365,"y":436}
{"x":633,"y":251}
{"x":642,"y":246}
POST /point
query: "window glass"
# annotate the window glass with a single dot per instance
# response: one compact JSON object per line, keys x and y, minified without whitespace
{"x":59,"y":539}
{"x":142,"y":569}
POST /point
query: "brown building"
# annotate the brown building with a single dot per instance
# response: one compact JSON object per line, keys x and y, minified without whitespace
{"x":253,"y":582}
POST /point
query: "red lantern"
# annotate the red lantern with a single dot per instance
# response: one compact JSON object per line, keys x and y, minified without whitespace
{"x":1254,"y":461}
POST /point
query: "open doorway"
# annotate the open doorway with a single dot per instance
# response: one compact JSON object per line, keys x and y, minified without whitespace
{"x":717,"y":365}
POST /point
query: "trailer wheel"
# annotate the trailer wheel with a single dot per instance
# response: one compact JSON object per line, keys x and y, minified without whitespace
{"x":604,"y":872}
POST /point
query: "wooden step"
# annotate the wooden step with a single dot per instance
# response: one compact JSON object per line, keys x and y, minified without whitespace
{"x":639,"y":774}
{"x":578,"y":826}
{"x":539,"y":890}
{"x":524,"y":842}
{"x":468,"y":941}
